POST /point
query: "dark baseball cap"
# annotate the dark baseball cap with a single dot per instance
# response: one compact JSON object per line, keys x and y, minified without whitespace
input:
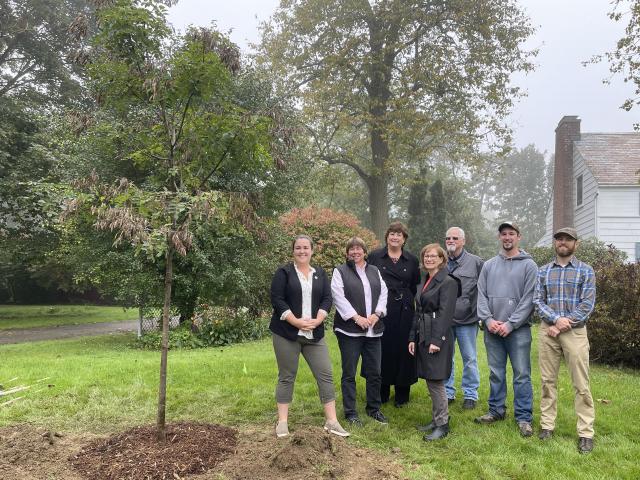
{"x":567,"y":231}
{"x":509,"y":225}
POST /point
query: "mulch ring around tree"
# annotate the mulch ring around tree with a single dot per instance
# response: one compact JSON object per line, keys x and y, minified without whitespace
{"x":190,"y":448}
{"x":29,"y":452}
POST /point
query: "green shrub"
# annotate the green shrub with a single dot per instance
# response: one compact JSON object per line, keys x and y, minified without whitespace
{"x":210,"y":327}
{"x":330,"y":231}
{"x":179,"y":338}
{"x":590,"y":251}
{"x":216,"y":326}
{"x":614,"y":328}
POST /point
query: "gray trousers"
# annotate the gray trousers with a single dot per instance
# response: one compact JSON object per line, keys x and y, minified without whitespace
{"x":317,"y":356}
{"x":439,"y":402}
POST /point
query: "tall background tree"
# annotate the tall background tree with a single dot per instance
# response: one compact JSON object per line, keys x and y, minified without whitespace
{"x":625,"y":59}
{"x":38,"y":80}
{"x":385,"y":83}
{"x":521,"y":190}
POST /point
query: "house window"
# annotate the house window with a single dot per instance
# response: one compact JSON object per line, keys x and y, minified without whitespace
{"x":579,"y":190}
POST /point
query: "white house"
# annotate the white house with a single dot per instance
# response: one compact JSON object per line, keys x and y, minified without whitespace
{"x":596,"y":186}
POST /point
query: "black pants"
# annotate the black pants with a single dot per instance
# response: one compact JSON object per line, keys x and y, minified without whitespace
{"x":402,"y":393}
{"x":351,"y":349}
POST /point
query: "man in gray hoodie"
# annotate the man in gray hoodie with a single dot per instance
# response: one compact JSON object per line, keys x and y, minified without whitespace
{"x":505,"y":306}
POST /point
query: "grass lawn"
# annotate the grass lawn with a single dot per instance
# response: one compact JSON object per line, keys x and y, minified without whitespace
{"x":30,"y":316}
{"x":102,"y":385}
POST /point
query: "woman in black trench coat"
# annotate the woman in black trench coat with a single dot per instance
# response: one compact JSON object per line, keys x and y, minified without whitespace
{"x":401,"y":273}
{"x":430,"y":338}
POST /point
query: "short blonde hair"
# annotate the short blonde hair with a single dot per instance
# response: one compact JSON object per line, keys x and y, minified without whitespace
{"x":442,"y":253}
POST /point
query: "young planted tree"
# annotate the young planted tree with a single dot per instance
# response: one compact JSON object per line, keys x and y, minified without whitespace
{"x":170,"y":101}
{"x":384,"y":83}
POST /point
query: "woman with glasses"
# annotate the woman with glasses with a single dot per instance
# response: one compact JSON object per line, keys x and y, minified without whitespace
{"x":430,"y":338}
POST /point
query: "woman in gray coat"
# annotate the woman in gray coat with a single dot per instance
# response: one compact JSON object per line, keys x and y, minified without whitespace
{"x":430,"y":338}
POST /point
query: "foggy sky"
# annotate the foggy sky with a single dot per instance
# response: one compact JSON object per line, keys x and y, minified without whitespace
{"x":569,"y":32}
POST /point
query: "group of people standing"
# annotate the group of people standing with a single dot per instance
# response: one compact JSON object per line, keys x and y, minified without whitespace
{"x":403,"y":325}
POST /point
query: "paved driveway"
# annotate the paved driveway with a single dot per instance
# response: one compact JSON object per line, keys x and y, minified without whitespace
{"x":21,"y":335}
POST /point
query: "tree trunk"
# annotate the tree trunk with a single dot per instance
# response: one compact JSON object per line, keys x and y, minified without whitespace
{"x":379,"y":205}
{"x":166,"y":312}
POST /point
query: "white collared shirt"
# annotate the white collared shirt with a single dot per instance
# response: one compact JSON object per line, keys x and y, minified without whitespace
{"x":346,"y":310}
{"x":307,"y":287}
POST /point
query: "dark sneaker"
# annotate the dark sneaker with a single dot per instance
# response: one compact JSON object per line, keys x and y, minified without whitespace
{"x":354,"y":421}
{"x":379,"y":417}
{"x":400,"y":404}
{"x":526,"y":430}
{"x":488,"y":418}
{"x":585,"y":445}
{"x":468,"y":404}
{"x":545,"y":434}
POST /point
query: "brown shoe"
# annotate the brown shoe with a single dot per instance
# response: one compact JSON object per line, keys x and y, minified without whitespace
{"x":585,"y":445}
{"x":545,"y":434}
{"x":526,"y":430}
{"x":488,"y":418}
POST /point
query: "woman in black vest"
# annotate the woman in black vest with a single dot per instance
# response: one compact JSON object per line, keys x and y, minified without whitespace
{"x":401,"y":272}
{"x":430,"y":338}
{"x":301,"y":299}
{"x":360,"y":297}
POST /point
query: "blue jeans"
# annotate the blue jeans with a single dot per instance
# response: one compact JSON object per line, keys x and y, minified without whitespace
{"x":516,"y":346}
{"x":466,"y":335}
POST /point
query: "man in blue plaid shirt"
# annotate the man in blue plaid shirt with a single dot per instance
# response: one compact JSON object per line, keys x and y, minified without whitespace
{"x":564,"y":298}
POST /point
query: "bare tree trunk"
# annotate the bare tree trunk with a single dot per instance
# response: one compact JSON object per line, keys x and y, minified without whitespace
{"x":378,"y":205}
{"x":166,"y":312}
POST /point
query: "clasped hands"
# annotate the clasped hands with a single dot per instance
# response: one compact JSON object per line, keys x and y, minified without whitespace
{"x":366,"y":322}
{"x":563,"y":324}
{"x":498,"y":328}
{"x":307,"y":324}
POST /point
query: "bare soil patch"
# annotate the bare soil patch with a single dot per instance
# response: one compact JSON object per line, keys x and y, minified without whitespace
{"x":308,"y":454}
{"x":193,"y":450}
{"x":30,"y":453}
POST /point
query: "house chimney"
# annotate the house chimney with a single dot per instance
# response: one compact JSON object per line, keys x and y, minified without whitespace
{"x":567,"y":132}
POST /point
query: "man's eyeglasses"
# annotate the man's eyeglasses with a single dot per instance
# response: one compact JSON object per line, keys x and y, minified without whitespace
{"x":452,"y":238}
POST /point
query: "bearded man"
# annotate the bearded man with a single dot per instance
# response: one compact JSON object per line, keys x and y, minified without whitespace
{"x":564,"y":298}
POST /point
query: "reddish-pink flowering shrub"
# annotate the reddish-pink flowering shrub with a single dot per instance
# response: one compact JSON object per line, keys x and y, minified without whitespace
{"x":330,"y":231}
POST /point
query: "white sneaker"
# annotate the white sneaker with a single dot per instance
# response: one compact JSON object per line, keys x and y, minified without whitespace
{"x":282,"y":429}
{"x":332,"y":426}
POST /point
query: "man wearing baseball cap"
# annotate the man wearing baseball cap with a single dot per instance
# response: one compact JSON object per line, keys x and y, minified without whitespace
{"x":565,"y":297}
{"x":505,"y":306}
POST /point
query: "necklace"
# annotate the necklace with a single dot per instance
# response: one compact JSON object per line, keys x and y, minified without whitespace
{"x":393,"y":258}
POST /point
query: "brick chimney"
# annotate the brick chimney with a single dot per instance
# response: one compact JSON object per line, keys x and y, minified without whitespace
{"x":567,"y":132}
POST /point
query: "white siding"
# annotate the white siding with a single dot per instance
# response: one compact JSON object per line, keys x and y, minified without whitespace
{"x":584,"y":215}
{"x":545,"y":241}
{"x":619,"y":218}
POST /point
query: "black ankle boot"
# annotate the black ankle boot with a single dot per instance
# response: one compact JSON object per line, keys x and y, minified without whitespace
{"x":437,"y":433}
{"x":428,"y":428}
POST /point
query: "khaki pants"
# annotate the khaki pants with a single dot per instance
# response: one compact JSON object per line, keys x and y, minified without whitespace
{"x":574,"y":346}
